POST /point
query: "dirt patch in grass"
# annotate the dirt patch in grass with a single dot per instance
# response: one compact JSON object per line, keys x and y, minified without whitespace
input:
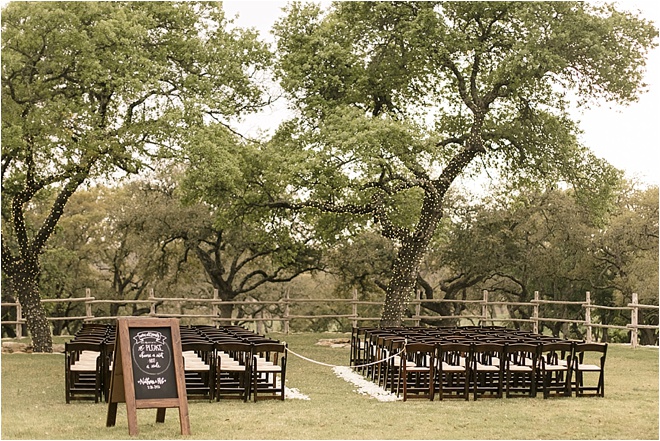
{"x":335,"y":342}
{"x":11,"y":347}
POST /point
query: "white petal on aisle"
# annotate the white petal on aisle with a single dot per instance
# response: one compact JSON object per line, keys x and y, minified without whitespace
{"x":365,"y":387}
{"x":294,"y":394}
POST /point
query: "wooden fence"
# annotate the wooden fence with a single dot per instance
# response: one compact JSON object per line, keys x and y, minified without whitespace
{"x":485,"y":316}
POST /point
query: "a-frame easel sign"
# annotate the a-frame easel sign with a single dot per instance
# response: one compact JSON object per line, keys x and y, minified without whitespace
{"x":148,"y":371}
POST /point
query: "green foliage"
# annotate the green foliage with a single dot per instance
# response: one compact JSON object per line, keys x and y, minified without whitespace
{"x":394,"y":101}
{"x":66,"y":264}
{"x":110,"y":241}
{"x":395,"y":96}
{"x":362,"y":262}
{"x":626,"y":249}
{"x":93,"y":89}
{"x":548,"y":242}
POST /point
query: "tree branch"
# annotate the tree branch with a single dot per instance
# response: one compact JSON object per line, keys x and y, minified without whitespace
{"x":323,"y":206}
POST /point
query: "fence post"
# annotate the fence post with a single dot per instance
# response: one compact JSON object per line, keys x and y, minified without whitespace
{"x":152,"y":307}
{"x":259,"y":323}
{"x":535,"y":313}
{"x":418,"y":307}
{"x":634,"y":318}
{"x":484,"y":307}
{"x":215,"y":310}
{"x":19,"y":319}
{"x":88,"y":305}
{"x":286,"y":311}
{"x":587,"y":317}
{"x":355,"y":299}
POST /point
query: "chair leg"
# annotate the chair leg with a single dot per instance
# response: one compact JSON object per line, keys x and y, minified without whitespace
{"x":466,"y":392}
{"x":244,"y":384}
{"x":440,"y":384}
{"x":476,"y":379}
{"x":255,"y":385}
{"x":67,"y":387}
{"x":97,"y":386}
{"x":247,"y":381}
{"x":405,"y":385}
{"x":431,"y":386}
{"x":283,"y":380}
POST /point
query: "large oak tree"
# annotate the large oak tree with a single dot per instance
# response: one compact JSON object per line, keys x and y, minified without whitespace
{"x":91,"y":88}
{"x":396,"y":100}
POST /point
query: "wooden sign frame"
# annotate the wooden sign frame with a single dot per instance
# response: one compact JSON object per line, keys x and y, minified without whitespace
{"x":123,"y":381}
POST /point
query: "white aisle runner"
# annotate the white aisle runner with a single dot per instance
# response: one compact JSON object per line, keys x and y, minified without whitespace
{"x":365,"y":387}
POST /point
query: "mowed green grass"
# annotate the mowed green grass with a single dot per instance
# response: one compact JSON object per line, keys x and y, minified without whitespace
{"x":33,"y":407}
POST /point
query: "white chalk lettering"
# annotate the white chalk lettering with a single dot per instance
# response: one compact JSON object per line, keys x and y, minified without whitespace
{"x":146,"y":381}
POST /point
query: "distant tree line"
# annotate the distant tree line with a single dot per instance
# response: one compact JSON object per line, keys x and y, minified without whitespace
{"x":120,"y":240}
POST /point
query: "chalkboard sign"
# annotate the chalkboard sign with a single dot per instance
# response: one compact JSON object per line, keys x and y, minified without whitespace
{"x":148,"y":371}
{"x":153,"y":370}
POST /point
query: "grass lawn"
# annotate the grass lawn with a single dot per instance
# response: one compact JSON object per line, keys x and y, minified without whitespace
{"x":33,"y":407}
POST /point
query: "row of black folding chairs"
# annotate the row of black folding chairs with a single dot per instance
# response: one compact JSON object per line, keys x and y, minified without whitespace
{"x":226,"y":362}
{"x":88,"y":363}
{"x":232,"y":362}
{"x":488,"y":362}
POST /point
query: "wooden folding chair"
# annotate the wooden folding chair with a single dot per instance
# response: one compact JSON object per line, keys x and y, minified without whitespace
{"x":107,"y":358}
{"x":487,"y":370}
{"x":358,"y":346}
{"x":520,"y":369}
{"x":373,"y":353}
{"x":232,"y":377}
{"x":268,"y":371}
{"x":452,"y":361}
{"x":555,"y":368}
{"x":589,"y":358}
{"x":82,"y":371}
{"x":393,"y":355}
{"x":417,"y":371}
{"x":198,"y":363}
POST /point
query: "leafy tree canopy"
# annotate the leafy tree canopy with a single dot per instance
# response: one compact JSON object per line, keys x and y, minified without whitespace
{"x":91,"y":88}
{"x":397,"y":99}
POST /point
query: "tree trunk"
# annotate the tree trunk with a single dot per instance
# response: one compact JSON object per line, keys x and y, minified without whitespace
{"x":24,"y":277}
{"x":226,"y":311}
{"x":23,"y":268}
{"x":648,"y":337}
{"x":408,"y":261}
{"x":402,"y":284}
{"x":415,"y":245}
{"x":226,"y":295}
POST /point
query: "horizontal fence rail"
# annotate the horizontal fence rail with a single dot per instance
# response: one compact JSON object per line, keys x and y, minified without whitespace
{"x":486,"y":315}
